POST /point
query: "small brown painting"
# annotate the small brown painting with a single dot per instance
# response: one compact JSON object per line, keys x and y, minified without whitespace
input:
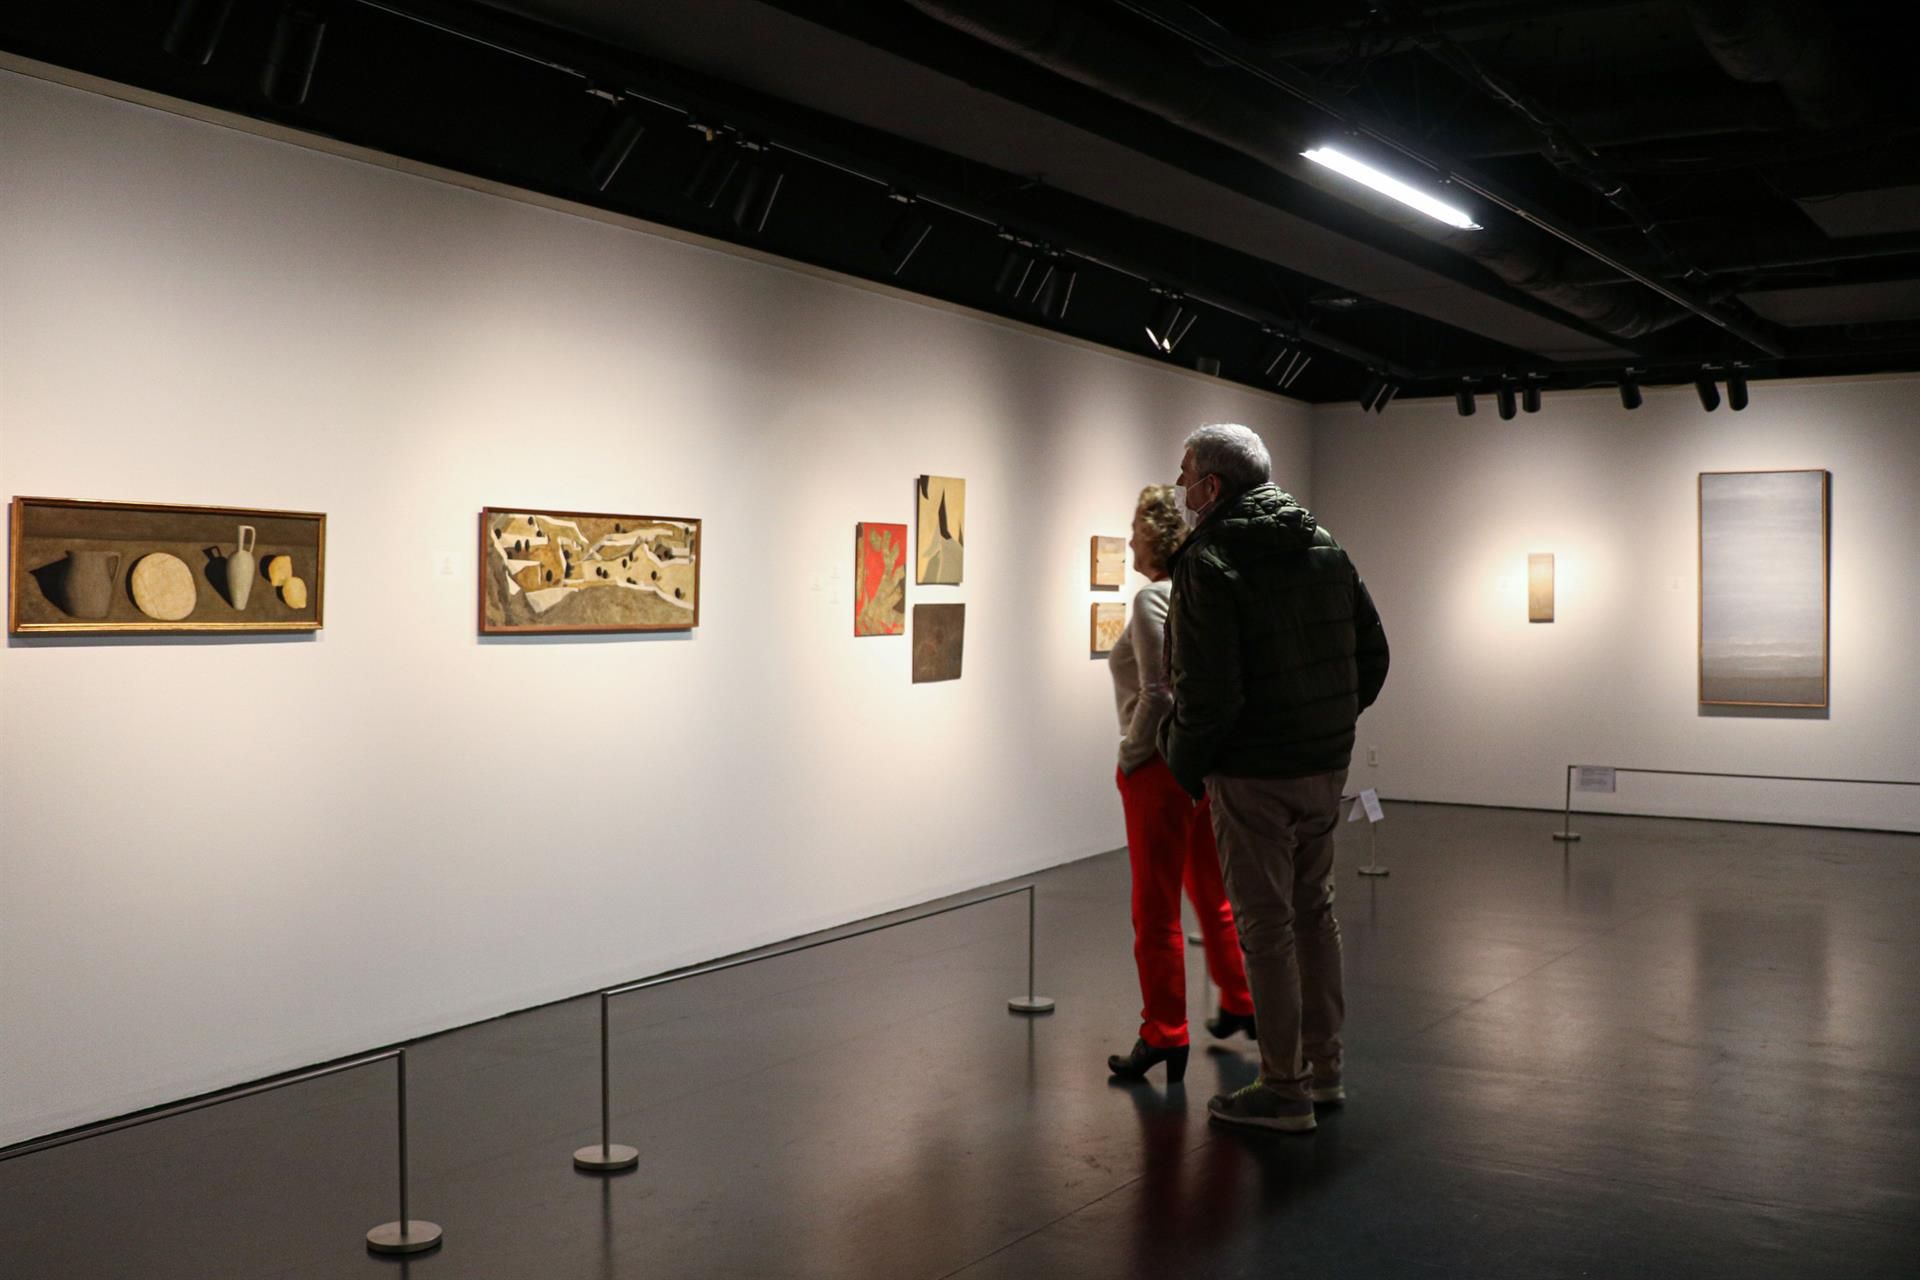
{"x":939,"y":632}
{"x":1109,"y":563}
{"x":1109,"y":620}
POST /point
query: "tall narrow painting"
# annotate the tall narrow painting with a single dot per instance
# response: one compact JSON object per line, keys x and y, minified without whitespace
{"x":1540,"y":587}
{"x":144,"y":568}
{"x":879,"y":579}
{"x":942,"y":531}
{"x":583,"y":571}
{"x":1763,"y":588}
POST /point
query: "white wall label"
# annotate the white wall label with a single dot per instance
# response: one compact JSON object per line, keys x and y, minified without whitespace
{"x":1593,"y":777}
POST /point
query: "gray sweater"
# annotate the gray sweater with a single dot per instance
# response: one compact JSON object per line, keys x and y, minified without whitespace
{"x":1138,"y":664}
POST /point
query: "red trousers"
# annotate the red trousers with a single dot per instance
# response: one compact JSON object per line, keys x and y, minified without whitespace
{"x":1170,"y":841}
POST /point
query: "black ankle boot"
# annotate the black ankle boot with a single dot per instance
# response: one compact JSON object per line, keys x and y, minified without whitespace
{"x":1228,"y":1023}
{"x":1134,"y":1065}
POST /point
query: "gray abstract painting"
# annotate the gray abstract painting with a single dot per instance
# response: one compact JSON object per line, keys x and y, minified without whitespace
{"x":1763,"y":588}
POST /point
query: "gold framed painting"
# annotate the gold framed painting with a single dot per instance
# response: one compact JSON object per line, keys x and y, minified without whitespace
{"x":555,"y":572}
{"x":143,"y":568}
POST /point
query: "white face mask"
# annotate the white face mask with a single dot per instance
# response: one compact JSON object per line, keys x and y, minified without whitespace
{"x":1184,"y":497}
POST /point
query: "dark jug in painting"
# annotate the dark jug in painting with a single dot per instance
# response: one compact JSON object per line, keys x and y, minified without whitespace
{"x":88,"y":582}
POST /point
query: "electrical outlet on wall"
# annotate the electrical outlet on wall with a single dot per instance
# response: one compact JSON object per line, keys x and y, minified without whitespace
{"x":1373,"y":757}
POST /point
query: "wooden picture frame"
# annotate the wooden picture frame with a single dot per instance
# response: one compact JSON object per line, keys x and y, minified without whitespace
{"x":1106,"y":563}
{"x":550,"y":572}
{"x":1766,"y":588}
{"x":143,"y":568}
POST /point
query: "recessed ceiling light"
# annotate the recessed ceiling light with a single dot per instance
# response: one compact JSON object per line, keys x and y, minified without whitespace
{"x":1388,"y":185}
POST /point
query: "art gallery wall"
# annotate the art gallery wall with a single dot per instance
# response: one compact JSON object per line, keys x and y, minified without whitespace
{"x":227,"y":857}
{"x":1483,"y":707}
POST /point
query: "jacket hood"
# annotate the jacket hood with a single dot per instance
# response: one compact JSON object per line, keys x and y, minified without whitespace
{"x":1264,"y":515}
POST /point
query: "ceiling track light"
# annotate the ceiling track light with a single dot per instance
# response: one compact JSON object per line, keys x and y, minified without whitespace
{"x":1377,"y":392}
{"x":1504,"y":398}
{"x":719,"y":161}
{"x":1169,"y":322}
{"x":1282,"y":359}
{"x":1054,"y":293}
{"x":1016,"y":267}
{"x":1530,"y":395}
{"x":759,"y":188}
{"x":1630,"y":389}
{"x":612,"y":141}
{"x":1736,"y":389}
{"x":905,"y":234}
{"x":1463,"y":401}
{"x":1709,"y":394}
{"x":287,"y":76}
{"x":196,"y":28}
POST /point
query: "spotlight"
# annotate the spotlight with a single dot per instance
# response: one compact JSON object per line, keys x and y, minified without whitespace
{"x":1282,"y":359}
{"x":287,"y":76}
{"x":1015,"y":268}
{"x":905,"y":236}
{"x":1709,"y":394}
{"x":759,"y":188}
{"x":1503,"y":396}
{"x":1165,"y":326}
{"x":1629,"y":389}
{"x":1463,"y":403}
{"x":196,"y":28}
{"x":612,"y":141}
{"x":1530,"y":396}
{"x":719,"y":161}
{"x":1736,"y":390}
{"x":1055,"y":291}
{"x":1377,"y":393}
{"x":1209,"y":365}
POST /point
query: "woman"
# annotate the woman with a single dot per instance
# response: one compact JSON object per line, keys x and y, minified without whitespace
{"x":1169,"y":838}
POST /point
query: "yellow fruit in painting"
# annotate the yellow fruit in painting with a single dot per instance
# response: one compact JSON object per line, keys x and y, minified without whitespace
{"x":280,"y":570}
{"x":294,"y":592}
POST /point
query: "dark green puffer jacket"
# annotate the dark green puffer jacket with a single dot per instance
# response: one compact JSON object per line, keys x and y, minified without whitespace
{"x":1274,"y":644}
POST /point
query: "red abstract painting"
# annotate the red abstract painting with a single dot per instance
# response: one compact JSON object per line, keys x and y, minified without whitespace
{"x":880,"y":580}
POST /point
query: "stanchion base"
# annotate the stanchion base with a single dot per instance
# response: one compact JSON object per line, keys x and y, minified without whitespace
{"x":1031,"y":1004}
{"x":417,"y":1237}
{"x":607,"y":1159}
{"x":1566,"y":837}
{"x":1371,"y":870}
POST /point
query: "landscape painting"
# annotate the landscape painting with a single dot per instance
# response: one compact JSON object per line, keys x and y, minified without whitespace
{"x":1109,"y":557}
{"x":942,"y":503}
{"x":939,"y":635}
{"x":1763,"y":588}
{"x":582,"y":571}
{"x":1540,"y":587}
{"x":879,"y":579}
{"x":1109,"y":621}
{"x":145,"y":568}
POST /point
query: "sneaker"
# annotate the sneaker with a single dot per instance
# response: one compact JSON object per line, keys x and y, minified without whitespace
{"x":1326,"y":1091}
{"x":1260,"y":1107}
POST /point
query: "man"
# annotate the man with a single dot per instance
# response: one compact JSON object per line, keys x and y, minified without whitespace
{"x":1275,"y":649}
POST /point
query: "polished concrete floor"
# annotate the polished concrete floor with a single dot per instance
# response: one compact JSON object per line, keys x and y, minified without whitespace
{"x":1678,"y":1049}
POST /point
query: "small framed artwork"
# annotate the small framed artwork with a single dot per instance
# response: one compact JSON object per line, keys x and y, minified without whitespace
{"x":587,"y":571}
{"x":939,"y":638}
{"x":1540,"y":587}
{"x":1109,"y":621}
{"x":941,"y":512}
{"x":879,"y":579}
{"x":148,"y":568}
{"x":1109,"y":558}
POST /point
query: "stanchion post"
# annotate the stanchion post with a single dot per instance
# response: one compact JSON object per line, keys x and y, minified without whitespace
{"x":1373,"y":865}
{"x":605,"y":1156}
{"x":1567,"y":835}
{"x":404,"y":1235}
{"x":1030,"y":1003}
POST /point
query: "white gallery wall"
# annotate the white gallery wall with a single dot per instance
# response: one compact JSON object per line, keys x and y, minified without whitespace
{"x":1483,"y":707}
{"x":223,"y":858}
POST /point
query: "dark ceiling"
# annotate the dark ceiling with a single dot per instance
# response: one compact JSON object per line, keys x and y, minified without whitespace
{"x":1661,"y":188}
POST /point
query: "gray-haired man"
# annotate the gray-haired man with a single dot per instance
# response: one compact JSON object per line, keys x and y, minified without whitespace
{"x":1275,"y":651}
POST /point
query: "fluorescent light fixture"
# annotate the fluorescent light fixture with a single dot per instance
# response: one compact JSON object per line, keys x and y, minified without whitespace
{"x":1387,"y":185}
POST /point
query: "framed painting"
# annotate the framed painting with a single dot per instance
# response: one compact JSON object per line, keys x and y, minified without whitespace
{"x":1109,"y":621}
{"x":1109,"y":563}
{"x":879,"y":579}
{"x":1764,"y":588}
{"x":939,"y":636}
{"x":942,"y":526}
{"x":148,"y":568}
{"x":587,"y":571}
{"x":1540,"y":587}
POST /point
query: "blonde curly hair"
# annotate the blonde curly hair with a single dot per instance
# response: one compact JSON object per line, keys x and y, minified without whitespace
{"x":1159,"y":511}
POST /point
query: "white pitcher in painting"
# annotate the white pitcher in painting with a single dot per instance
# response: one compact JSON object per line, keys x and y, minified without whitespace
{"x":240,"y":569}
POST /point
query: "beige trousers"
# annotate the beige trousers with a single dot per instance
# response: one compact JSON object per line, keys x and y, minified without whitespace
{"x":1275,"y":837}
